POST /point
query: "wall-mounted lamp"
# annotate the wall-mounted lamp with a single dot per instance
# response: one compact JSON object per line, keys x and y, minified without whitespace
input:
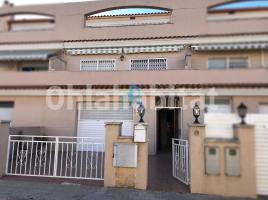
{"x":196,"y":113}
{"x":141,"y":112}
{"x":122,"y":57}
{"x":242,"y":112}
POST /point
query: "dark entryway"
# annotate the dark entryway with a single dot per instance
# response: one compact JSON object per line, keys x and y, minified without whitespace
{"x":160,"y":165}
{"x":168,"y":127}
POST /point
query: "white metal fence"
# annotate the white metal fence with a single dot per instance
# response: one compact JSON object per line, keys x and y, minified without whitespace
{"x":61,"y":157}
{"x":180,"y":159}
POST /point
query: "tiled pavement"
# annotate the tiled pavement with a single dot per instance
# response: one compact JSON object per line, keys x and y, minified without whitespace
{"x":21,"y":190}
{"x":160,"y":175}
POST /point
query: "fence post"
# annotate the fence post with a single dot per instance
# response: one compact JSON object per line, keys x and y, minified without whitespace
{"x":56,"y":156}
{"x":4,"y":132}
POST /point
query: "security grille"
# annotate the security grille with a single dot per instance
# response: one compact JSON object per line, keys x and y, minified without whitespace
{"x":149,"y":64}
{"x":97,"y":65}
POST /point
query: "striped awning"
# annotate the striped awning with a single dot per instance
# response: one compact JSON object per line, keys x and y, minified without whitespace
{"x":127,"y":50}
{"x":230,"y":46}
{"x":25,"y":55}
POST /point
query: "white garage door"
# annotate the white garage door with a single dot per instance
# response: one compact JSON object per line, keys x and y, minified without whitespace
{"x":6,"y":111}
{"x":263,"y":108}
{"x":261,"y":138}
{"x":91,"y":120}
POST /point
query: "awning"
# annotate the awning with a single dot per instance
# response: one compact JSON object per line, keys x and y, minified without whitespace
{"x":25,"y":55}
{"x":230,"y":46}
{"x":127,"y":50}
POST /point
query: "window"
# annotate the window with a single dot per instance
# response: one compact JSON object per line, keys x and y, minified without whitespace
{"x":97,"y":65}
{"x":238,"y":63}
{"x":27,"y":22}
{"x":33,"y":66}
{"x":217,"y":63}
{"x":149,"y":64}
{"x":245,"y":5}
{"x":228,"y":63}
{"x":218,"y":104}
{"x":128,"y":17}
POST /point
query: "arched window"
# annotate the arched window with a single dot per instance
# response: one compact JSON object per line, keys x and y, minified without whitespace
{"x":126,"y":16}
{"x":248,"y":9}
{"x":26,"y":22}
{"x":241,"y":5}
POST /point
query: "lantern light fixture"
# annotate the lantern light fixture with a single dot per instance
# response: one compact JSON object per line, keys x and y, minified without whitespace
{"x":141,"y":112}
{"x":242,"y":112}
{"x":196,"y":113}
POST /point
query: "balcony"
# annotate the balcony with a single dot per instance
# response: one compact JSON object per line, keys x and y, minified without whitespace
{"x":180,"y":78}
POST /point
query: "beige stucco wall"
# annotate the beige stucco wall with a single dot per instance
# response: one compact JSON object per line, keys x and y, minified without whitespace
{"x":174,"y":60}
{"x":238,"y":186}
{"x":199,"y":60}
{"x":189,"y":18}
{"x":34,"y":112}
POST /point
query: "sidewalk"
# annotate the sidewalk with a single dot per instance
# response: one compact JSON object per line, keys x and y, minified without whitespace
{"x":21,"y":190}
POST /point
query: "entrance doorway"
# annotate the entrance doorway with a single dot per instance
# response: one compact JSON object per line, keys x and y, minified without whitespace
{"x":161,"y":176}
{"x":169,"y":122}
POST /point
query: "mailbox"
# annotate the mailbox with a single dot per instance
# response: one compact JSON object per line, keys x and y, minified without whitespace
{"x":140,"y":133}
{"x":125,"y":155}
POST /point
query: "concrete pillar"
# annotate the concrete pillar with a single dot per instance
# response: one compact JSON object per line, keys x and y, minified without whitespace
{"x":246,"y":137}
{"x":4,"y":133}
{"x":196,"y":153}
{"x":130,"y":177}
{"x":222,"y":184}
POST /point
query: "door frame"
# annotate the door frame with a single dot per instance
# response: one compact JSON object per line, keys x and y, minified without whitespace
{"x":155,"y":120}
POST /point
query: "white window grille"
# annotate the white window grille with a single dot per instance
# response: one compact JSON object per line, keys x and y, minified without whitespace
{"x":149,"y":64}
{"x":97,"y":65}
{"x":228,"y":62}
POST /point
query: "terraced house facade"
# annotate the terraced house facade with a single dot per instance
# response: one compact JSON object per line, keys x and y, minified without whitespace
{"x":67,"y":69}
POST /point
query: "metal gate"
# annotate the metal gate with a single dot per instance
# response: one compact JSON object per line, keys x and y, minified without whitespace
{"x":61,"y":157}
{"x":180,"y":160}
